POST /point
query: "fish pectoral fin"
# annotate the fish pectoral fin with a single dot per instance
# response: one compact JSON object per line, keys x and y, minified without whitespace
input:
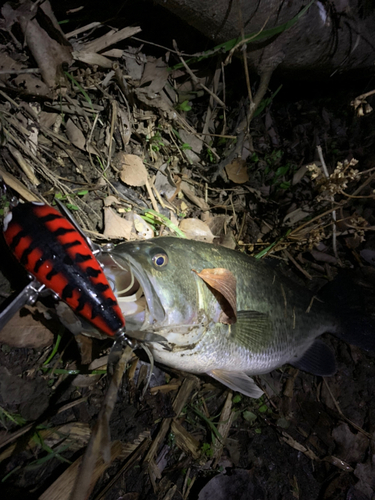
{"x":253,"y":330}
{"x":318,"y":360}
{"x":237,"y":381}
{"x":223,"y":284}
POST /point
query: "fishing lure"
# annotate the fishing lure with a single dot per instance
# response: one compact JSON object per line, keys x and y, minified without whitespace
{"x":58,"y":256}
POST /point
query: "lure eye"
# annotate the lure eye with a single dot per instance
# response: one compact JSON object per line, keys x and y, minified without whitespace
{"x":160,"y":260}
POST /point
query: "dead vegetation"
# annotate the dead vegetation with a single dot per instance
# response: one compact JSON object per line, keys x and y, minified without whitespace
{"x":138,"y":146}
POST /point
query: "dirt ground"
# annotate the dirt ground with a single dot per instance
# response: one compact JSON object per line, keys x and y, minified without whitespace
{"x":138,"y":148}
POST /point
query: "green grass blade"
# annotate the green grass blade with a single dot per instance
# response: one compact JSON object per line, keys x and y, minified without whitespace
{"x":149,"y":213}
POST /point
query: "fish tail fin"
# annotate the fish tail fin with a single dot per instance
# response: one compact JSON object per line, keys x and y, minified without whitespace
{"x":352,"y":297}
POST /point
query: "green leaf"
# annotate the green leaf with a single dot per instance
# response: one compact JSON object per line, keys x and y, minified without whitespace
{"x":249,"y":416}
{"x":283,"y":423}
{"x":282,"y":170}
{"x":285,"y":185}
{"x":184,"y":106}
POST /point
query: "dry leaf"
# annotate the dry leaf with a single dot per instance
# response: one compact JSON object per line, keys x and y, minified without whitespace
{"x":93,"y":59}
{"x":194,"y":142}
{"x":47,"y":43}
{"x":47,"y":120}
{"x":295,"y":216}
{"x":156,"y":73}
{"x":17,"y":186}
{"x":133,"y":171}
{"x":185,"y":188}
{"x":218,"y":223}
{"x":85,"y":380}
{"x":76,"y":137}
{"x":227,"y":240}
{"x":163,"y":182}
{"x":195,"y":229}
{"x":237,"y":171}
{"x":110,"y":38}
{"x":110,"y":200}
{"x":135,"y":63}
{"x":24,"y":331}
{"x":115,"y":226}
{"x":143,"y":229}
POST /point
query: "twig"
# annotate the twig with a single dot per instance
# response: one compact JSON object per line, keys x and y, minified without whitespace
{"x":195,"y":79}
{"x":151,"y":195}
{"x":367,"y":181}
{"x":334,"y":219}
{"x":99,"y":444}
{"x":113,"y":118}
{"x":244,"y":53}
{"x":142,"y":448}
{"x":168,"y":49}
{"x":83,"y":29}
{"x":299,"y":228}
{"x":355,"y":426}
{"x":19,"y":71}
{"x":265,"y":78}
{"x":245,"y":41}
{"x":300,"y":268}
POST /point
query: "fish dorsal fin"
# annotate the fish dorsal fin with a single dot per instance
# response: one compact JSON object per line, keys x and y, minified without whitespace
{"x":253,"y":330}
{"x":318,"y":360}
{"x":223,"y":285}
{"x":237,"y":381}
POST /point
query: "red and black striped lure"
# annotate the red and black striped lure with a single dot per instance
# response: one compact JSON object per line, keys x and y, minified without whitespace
{"x":53,"y":251}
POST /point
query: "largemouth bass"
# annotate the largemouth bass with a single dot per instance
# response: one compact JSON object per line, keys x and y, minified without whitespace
{"x":226,"y":314}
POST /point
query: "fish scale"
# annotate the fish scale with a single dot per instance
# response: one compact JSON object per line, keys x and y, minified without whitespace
{"x":53,"y":251}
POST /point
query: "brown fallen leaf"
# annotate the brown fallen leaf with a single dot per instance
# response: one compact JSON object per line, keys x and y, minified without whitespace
{"x":44,"y":37}
{"x":195,"y":229}
{"x":237,"y":171}
{"x":76,"y":137}
{"x":217,"y":223}
{"x":17,"y":186}
{"x":185,"y":188}
{"x":144,"y":230}
{"x":133,"y":171}
{"x":115,"y":226}
{"x":156,"y":74}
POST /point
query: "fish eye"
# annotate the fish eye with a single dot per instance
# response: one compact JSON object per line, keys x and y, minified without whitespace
{"x":160,"y":260}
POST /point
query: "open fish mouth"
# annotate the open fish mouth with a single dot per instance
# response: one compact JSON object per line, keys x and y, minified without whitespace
{"x":137,"y":299}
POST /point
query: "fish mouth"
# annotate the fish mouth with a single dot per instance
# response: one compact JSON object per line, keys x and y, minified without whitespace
{"x":135,"y":294}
